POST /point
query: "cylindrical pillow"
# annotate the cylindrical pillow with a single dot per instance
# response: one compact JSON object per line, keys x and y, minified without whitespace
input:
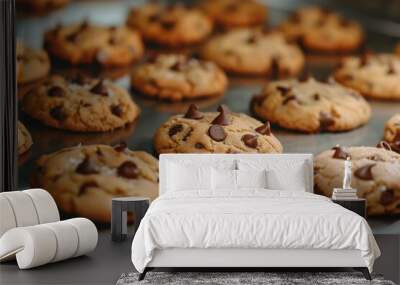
{"x":23,"y":208}
{"x":45,"y":205}
{"x":87,"y":233}
{"x":26,"y":208}
{"x":7,"y":218}
{"x":41,"y":244}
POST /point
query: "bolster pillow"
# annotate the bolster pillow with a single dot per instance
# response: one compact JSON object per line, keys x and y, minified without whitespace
{"x":40,"y":244}
{"x":26,"y":208}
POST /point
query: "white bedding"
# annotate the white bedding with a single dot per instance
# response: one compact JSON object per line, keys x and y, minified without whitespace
{"x":250,"y":219}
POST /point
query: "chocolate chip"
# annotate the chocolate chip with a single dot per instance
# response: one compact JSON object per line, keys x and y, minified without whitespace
{"x":199,"y":146}
{"x":193,"y":113}
{"x":340,"y":153}
{"x":112,"y":41}
{"x":384,"y":145}
{"x":284,"y":90}
{"x":80,"y":79}
{"x":257,"y":100}
{"x":154,"y":18}
{"x":116,"y":110}
{"x":222,"y":119}
{"x":251,"y":39}
{"x":295,"y":18}
{"x":56,"y":91}
{"x":275,"y":68}
{"x":391,"y":69}
{"x":58,"y":113}
{"x":175,"y":129}
{"x":128,"y":169}
{"x":250,"y":140}
{"x":72,"y":37}
{"x":178,"y":66}
{"x":264,"y":129}
{"x":100,"y":88}
{"x":223,"y":108}
{"x":85,"y":186}
{"x":288,"y":99}
{"x":120,"y":147}
{"x":395,"y":146}
{"x":387,"y":197}
{"x":325,"y":121}
{"x":85,"y":167}
{"x":364,"y":59}
{"x":345,"y":22}
{"x":217,"y":133}
{"x":364,"y":172}
{"x":316,"y":97}
{"x":168,"y":24}
{"x":305,"y":77}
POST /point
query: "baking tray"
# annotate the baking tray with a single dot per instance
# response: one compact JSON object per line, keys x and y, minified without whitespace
{"x":139,"y":135}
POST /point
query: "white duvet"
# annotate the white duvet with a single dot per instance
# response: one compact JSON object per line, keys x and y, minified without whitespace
{"x":250,"y":219}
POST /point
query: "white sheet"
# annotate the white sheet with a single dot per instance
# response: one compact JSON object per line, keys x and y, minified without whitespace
{"x":252,"y":218}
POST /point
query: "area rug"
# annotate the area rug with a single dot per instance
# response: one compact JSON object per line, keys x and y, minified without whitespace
{"x":243,"y":278}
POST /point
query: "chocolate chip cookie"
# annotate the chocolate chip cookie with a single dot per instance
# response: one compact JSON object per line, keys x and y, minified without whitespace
{"x":40,"y":6}
{"x":311,"y":106}
{"x":376,"y":76}
{"x":85,"y":43}
{"x":235,"y":13}
{"x":322,"y":30}
{"x":32,"y":64}
{"x":80,"y":104}
{"x":176,"y":77}
{"x":254,"y":52}
{"x":24,"y":139}
{"x":84,"y":179}
{"x":376,"y":176}
{"x":170,"y":25}
{"x":392,"y":132}
{"x":215,"y":132}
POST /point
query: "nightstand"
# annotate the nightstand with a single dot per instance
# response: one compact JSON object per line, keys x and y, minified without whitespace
{"x":358,"y":206}
{"x":119,"y":217}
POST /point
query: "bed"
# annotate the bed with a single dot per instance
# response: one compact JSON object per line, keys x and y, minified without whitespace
{"x":247,"y":210}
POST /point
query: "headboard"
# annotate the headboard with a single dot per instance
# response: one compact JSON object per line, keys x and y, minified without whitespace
{"x":211,"y":159}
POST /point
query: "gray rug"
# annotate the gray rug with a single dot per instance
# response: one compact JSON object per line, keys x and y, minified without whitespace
{"x":269,"y":278}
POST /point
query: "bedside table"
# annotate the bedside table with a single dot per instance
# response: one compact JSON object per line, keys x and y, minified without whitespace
{"x":358,"y":206}
{"x":119,"y":216}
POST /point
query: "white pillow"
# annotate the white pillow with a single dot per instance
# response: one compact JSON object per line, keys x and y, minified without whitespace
{"x":183,"y":177}
{"x":282,"y":174}
{"x":223,"y":179}
{"x":251,"y":179}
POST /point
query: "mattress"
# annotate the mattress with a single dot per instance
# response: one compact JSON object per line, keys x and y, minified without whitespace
{"x":251,"y":219}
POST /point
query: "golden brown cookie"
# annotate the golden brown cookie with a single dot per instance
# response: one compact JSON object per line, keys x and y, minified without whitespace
{"x":32,"y":64}
{"x":215,"y":132}
{"x":173,"y":25}
{"x":24,"y":139}
{"x":311,"y":106}
{"x":84,"y":43}
{"x":376,"y":176}
{"x":84,"y":179}
{"x":176,"y":77}
{"x":373,"y":75}
{"x":254,"y":52}
{"x":322,"y":30}
{"x":392,"y":132}
{"x":235,"y":13}
{"x":80,"y":104}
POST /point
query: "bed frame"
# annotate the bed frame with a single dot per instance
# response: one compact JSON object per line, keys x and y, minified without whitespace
{"x":242,"y":259}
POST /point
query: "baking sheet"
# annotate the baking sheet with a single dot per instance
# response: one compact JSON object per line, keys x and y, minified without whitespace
{"x":139,"y":135}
